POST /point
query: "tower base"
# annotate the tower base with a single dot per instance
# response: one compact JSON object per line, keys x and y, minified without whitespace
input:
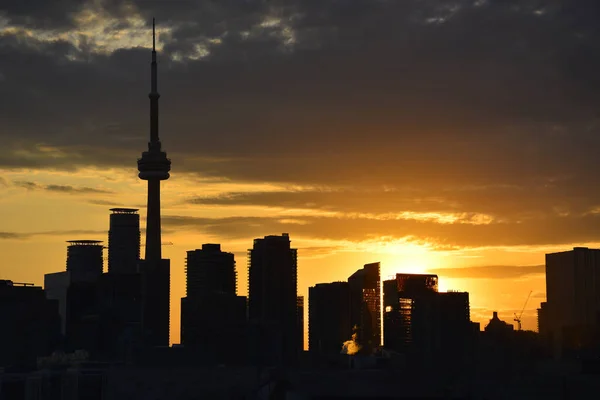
{"x":156,"y":302}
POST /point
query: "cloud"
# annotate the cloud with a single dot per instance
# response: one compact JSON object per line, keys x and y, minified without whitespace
{"x":359,"y":95}
{"x":71,"y":189}
{"x":61,"y":188}
{"x":13,"y":235}
{"x":28,"y":235}
{"x":491,"y":272}
{"x":443,"y":237}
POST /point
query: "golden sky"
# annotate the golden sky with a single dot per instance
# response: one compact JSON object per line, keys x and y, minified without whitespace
{"x":459,"y":140}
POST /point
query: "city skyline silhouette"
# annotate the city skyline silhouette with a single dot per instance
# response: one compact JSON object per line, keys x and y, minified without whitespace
{"x":456,"y":141}
{"x":412,"y":182}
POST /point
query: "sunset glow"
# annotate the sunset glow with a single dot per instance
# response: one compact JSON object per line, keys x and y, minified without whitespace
{"x":364,"y":134}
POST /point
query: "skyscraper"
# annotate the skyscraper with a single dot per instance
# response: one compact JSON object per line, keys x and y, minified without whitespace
{"x":124,"y":241}
{"x":272,"y":299}
{"x":213,"y":317}
{"x":84,"y":260}
{"x":573,"y":297}
{"x":154,"y":166}
{"x":328,"y":317}
{"x":300,"y":321}
{"x":365,"y":305}
{"x":210,"y":270}
{"x":30,"y":324}
{"x":422,"y":323}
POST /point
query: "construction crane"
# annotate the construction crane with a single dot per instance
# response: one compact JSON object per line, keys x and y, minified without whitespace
{"x":518,"y":318}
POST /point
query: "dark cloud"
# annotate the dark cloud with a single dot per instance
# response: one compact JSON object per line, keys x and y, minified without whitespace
{"x":41,"y":13}
{"x":490,"y":272}
{"x":445,"y":237}
{"x":477,"y":107}
{"x":512,"y":203}
{"x":68,"y":189}
{"x":100,"y":202}
{"x":13,"y":235}
{"x":28,"y":235}
{"x":27,"y":185}
{"x":71,"y":189}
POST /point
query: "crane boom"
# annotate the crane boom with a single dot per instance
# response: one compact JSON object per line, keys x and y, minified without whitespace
{"x":518,"y":318}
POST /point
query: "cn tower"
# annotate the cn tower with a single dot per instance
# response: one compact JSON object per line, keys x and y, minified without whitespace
{"x":154,"y":166}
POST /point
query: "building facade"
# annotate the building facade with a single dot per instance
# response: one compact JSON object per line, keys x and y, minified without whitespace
{"x":124,"y":241}
{"x":213,"y":317}
{"x":328,"y":317}
{"x":300,"y":321}
{"x":272,"y":279}
{"x":210,"y":270}
{"x":573,"y":299}
{"x":421,"y":322}
{"x":56,"y":285}
{"x":365,"y":305}
{"x":85,"y":262}
{"x":30,"y":324}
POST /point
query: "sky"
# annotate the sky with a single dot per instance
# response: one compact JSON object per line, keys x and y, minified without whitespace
{"x":452,"y":137}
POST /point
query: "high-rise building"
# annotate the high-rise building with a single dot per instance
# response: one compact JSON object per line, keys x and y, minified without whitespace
{"x":573,"y":297}
{"x":328,"y":317}
{"x":365,"y":305}
{"x":210,"y":270}
{"x":84,"y":260}
{"x":542,"y":319}
{"x":272,"y":276}
{"x":300,"y":321}
{"x":154,"y":166}
{"x":56,"y":286}
{"x":423,"y":323}
{"x":124,"y":241}
{"x":119,"y":309}
{"x":399,"y":296}
{"x":213,"y":317}
{"x":30,"y":324}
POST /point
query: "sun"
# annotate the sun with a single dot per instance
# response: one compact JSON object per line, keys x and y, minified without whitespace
{"x":403,"y":256}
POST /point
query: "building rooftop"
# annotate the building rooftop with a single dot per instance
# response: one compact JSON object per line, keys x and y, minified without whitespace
{"x":84,"y":242}
{"x":124,"y":210}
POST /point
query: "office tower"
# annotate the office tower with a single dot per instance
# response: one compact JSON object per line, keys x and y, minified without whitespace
{"x":213,"y":317}
{"x":573,"y":299}
{"x":56,"y":286}
{"x":83,"y":320}
{"x":300,"y":321}
{"x":365,"y":305}
{"x":399,"y":295}
{"x":124,"y":241}
{"x":272,"y":277}
{"x":84,"y":268}
{"x":84,"y":260}
{"x":210,"y":270}
{"x":328,"y":317}
{"x":119,"y":307}
{"x":30,"y":324}
{"x":423,"y":323}
{"x":454,"y":337}
{"x":154,"y":166}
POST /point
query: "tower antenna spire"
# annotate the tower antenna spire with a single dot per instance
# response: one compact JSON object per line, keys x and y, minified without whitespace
{"x":153,"y":36}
